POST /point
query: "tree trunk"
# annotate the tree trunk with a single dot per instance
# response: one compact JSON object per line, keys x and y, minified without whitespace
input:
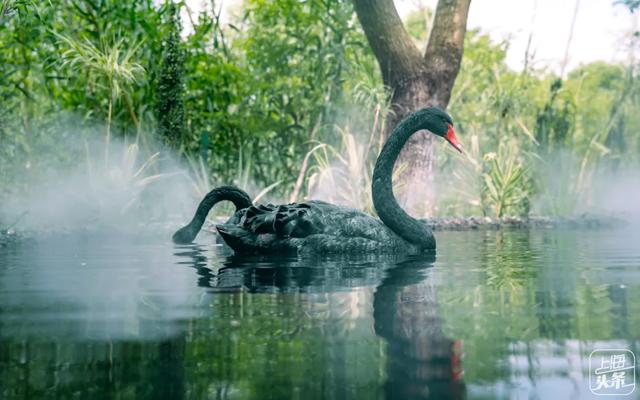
{"x":416,"y":80}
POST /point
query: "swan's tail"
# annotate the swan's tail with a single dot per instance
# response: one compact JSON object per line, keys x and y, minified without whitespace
{"x":237,"y":196}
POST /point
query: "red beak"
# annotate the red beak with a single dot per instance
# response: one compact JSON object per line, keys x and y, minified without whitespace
{"x":451,"y":138}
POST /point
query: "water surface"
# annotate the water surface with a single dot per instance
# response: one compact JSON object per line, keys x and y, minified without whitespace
{"x":495,"y":314}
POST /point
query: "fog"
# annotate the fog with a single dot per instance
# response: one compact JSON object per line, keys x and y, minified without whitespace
{"x":128,"y":187}
{"x":607,"y":188}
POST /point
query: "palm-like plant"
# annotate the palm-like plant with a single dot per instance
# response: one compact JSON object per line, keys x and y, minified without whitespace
{"x":111,"y":66}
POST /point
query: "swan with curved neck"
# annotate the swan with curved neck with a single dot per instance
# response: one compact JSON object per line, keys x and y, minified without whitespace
{"x":319,"y":227}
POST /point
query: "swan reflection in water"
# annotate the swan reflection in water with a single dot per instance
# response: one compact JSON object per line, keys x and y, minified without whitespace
{"x":421,"y":361}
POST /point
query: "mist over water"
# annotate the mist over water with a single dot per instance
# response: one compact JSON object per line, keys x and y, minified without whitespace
{"x":102,"y":223}
{"x":610,"y":188}
{"x":127,"y":188}
{"x":618,"y":193}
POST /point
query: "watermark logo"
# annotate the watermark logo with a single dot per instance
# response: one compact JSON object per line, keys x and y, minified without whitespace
{"x":612,"y":372}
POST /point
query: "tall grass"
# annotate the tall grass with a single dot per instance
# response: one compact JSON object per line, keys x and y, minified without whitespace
{"x":126,"y":176}
{"x":342,"y":173}
{"x":202,"y":181}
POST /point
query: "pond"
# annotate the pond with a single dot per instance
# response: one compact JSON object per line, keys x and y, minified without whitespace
{"x":497,"y":314}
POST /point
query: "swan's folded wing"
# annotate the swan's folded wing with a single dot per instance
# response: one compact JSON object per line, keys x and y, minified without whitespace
{"x":290,"y":220}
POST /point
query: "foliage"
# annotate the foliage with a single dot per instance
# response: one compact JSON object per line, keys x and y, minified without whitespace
{"x":170,"y":102}
{"x":287,"y":96}
{"x":267,"y":86}
{"x":110,"y":67}
{"x":555,"y":120}
{"x":565,"y":126}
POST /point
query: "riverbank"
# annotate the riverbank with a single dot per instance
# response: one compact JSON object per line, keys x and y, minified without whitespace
{"x":584,"y":221}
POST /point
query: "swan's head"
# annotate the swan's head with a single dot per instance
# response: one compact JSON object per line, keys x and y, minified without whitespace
{"x":439,"y":123}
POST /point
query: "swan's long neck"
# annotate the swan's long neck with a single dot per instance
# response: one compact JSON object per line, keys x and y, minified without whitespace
{"x":388,"y":209}
{"x":238,"y":197}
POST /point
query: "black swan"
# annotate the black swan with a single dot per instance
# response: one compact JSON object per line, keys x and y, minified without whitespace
{"x":322,"y":228}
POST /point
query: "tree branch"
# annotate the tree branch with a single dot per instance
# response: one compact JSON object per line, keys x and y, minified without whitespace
{"x":446,"y":44}
{"x":394,"y":49}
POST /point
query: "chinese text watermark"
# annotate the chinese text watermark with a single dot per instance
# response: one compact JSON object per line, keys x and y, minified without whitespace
{"x":612,"y":372}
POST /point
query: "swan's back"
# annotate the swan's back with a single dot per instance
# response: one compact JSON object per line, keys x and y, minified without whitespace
{"x":312,"y":227}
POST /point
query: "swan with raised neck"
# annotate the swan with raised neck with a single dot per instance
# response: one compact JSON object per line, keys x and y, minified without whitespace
{"x":319,"y":227}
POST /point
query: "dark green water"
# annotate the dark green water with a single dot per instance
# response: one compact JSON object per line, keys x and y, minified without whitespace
{"x":495,"y":315}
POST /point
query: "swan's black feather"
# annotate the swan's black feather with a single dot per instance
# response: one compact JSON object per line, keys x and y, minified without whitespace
{"x":311,"y":227}
{"x":289,"y":220}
